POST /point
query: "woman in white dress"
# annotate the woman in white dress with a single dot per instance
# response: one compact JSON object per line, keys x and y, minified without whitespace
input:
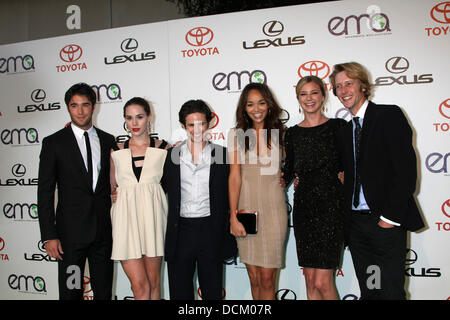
{"x":139,"y":213}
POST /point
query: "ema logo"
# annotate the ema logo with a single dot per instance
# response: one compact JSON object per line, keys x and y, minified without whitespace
{"x":234,"y":81}
{"x":17,"y":64}
{"x":436,"y":162}
{"x":108,"y":93}
{"x":70,"y":54}
{"x":20,"y":137}
{"x":198,"y":38}
{"x":440,"y":13}
{"x":376,"y":23}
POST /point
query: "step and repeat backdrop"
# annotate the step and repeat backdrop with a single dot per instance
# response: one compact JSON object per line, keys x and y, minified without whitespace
{"x":403,"y":43}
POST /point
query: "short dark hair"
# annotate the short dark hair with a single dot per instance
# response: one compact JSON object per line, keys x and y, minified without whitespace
{"x":140,"y":102}
{"x":82,"y":89}
{"x":193,"y":106}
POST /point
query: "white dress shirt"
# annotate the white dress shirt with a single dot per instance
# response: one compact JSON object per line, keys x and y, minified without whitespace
{"x":95,"y":150}
{"x":194,"y":180}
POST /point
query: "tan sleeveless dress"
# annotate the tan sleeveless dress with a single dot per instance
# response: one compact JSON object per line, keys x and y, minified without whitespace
{"x":261,"y":191}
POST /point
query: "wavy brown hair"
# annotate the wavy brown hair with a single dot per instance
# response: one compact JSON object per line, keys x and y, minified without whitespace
{"x":272,"y":119}
{"x":353,"y":70}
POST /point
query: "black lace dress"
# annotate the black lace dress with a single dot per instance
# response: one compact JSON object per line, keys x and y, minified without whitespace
{"x":317,"y":216}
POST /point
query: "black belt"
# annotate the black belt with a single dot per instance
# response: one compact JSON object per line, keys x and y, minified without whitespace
{"x":363,"y":212}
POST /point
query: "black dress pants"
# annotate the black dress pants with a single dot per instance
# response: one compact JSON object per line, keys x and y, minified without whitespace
{"x":71,"y":270}
{"x":195,"y":250}
{"x":379,"y":256}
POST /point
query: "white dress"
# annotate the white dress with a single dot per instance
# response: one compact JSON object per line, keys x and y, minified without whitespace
{"x":139,"y":216}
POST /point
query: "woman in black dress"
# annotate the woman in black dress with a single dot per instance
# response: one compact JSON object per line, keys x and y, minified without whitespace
{"x":311,"y":154}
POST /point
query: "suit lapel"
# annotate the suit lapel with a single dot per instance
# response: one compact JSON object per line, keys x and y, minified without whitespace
{"x":103,"y":157}
{"x":368,"y":126}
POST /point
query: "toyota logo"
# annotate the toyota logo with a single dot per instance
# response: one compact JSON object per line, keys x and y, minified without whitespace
{"x":441,"y":12}
{"x":444,"y":108}
{"x":129,"y":45}
{"x":314,"y":68}
{"x":397,"y":65}
{"x":18,"y":170}
{"x":38,"y":95}
{"x":446,"y":208}
{"x":71,"y":53}
{"x":2,"y":244}
{"x":214,"y":121}
{"x":273,"y":28}
{"x":199,"y":36}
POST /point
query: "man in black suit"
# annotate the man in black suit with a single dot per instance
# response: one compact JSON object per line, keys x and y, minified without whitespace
{"x":75,"y":160}
{"x":380,"y":179}
{"x":196,"y":181}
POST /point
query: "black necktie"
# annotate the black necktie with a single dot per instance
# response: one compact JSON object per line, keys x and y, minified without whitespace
{"x":357,"y":190}
{"x":89,"y":155}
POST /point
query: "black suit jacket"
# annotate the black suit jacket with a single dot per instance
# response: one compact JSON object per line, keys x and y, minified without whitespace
{"x":388,"y":165}
{"x":81,"y":214}
{"x":222,"y":242}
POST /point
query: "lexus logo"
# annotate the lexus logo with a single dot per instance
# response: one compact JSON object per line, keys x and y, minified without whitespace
{"x":411,"y":256}
{"x":314,"y":68}
{"x":441,"y":12}
{"x":41,"y":246}
{"x":129,"y":45}
{"x":70,"y":53}
{"x":397,"y":65}
{"x":38,"y":95}
{"x":273,"y":28}
{"x":285,"y":294}
{"x":18,"y":170}
{"x":199,"y":36}
{"x":284,"y":116}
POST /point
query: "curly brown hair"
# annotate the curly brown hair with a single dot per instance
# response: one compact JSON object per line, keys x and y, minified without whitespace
{"x":271,"y":121}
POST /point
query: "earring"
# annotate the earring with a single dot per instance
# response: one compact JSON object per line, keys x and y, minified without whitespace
{"x":128,"y":131}
{"x":149,"y":128}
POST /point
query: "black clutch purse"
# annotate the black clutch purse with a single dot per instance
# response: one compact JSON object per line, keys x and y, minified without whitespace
{"x":249,"y":220}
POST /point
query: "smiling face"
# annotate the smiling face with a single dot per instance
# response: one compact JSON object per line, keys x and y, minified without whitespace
{"x":310,"y":98}
{"x":136,"y":119}
{"x":256,"y":108}
{"x":349,"y":92}
{"x":80,"y":110}
{"x":196,"y":126}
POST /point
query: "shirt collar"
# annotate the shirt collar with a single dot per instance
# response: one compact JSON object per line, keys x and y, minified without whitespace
{"x":80,"y":132}
{"x":362,"y":110}
{"x":186,"y":156}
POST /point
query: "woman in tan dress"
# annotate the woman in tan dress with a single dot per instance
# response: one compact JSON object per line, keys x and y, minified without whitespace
{"x":139,"y":212}
{"x":255,"y":147}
